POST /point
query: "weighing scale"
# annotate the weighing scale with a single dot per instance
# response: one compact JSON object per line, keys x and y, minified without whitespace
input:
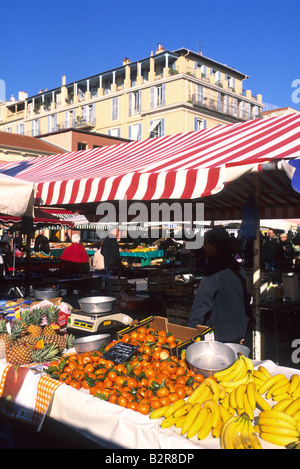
{"x":97,"y":322}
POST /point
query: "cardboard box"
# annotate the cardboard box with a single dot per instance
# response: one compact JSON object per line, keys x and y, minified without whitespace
{"x":186,"y":335}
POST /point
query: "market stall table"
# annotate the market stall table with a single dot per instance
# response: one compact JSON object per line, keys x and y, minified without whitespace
{"x":144,"y":256}
{"x":113,"y":427}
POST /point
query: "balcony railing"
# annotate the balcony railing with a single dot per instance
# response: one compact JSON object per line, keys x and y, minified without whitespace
{"x":229,"y":109}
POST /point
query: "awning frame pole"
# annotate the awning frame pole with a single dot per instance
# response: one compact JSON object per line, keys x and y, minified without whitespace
{"x":256,"y":278}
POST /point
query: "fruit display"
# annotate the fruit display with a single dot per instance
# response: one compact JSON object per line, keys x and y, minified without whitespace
{"x":240,"y":406}
{"x":34,"y":337}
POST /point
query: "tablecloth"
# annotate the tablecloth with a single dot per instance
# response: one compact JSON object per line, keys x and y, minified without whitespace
{"x":112,"y":426}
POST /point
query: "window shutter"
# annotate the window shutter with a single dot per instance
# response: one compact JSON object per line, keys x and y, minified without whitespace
{"x":204,"y":123}
{"x":54,"y":123}
{"x":162,"y":123}
{"x":129,"y":131}
{"x":163,"y":94}
{"x":195,"y":123}
{"x":140,"y":132}
{"x":66,"y":120}
{"x":130,"y":104}
{"x":152,"y":97}
{"x":140,"y":101}
{"x":49,"y":123}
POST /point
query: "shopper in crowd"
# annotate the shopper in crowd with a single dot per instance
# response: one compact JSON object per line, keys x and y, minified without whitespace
{"x":110,"y":249}
{"x":98,"y":259}
{"x":41,"y":244}
{"x":75,"y":259}
{"x":286,"y":253}
{"x":222,"y":300}
{"x":270,"y":249}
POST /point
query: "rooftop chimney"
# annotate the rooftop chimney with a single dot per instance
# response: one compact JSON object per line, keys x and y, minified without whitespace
{"x":160,"y":48}
{"x":126,"y":61}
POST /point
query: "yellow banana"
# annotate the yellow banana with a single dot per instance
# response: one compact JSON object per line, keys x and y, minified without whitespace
{"x":251,"y":389}
{"x":224,"y":413}
{"x":216,"y":431}
{"x":184,"y":410}
{"x":279,"y":440}
{"x":272,"y":422}
{"x":282,"y":405}
{"x":236,"y":367}
{"x":214,"y":387}
{"x":293,"y":407}
{"x":225,"y":401}
{"x":296,"y":393}
{"x":249,"y":363}
{"x":198,"y":422}
{"x":205,"y":428}
{"x":237,"y":441}
{"x":173,"y":407}
{"x":282,"y":382}
{"x":239,"y":397}
{"x":247,"y":407}
{"x":281,"y":396}
{"x":222,"y":391}
{"x":245,"y":437}
{"x":255,"y":443}
{"x":262,"y":369}
{"x":197,"y":392}
{"x":229,"y":429}
{"x":261,"y":403}
{"x":158,"y":413}
{"x":276,"y":415}
{"x":232,"y":401}
{"x":279,"y":431}
{"x":190,"y":417}
{"x":270,"y":382}
{"x":235,"y":384}
{"x":259,"y":375}
{"x":296,"y":416}
{"x":207,"y":394}
{"x":168,"y":422}
{"x":234,"y":370}
{"x":294,"y":382}
{"x":213,"y":407}
{"x":179,"y":421}
{"x":281,"y":390}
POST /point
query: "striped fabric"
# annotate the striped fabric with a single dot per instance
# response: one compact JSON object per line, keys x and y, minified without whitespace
{"x":182,"y":166}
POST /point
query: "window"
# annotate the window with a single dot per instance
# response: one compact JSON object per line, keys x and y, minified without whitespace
{"x":199,"y":123}
{"x":115,"y":132}
{"x":135,"y":132}
{"x":157,"y":128}
{"x":200,"y":94}
{"x":115,"y":109}
{"x":35,"y":127}
{"x":20,"y":129}
{"x":135,"y":103}
{"x":158,"y":96}
{"x":81,"y":146}
{"x":69,"y":119}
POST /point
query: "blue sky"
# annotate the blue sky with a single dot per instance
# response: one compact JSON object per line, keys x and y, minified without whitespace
{"x":42,"y":40}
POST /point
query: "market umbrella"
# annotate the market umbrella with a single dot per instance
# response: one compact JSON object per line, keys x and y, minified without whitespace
{"x":16,"y":196}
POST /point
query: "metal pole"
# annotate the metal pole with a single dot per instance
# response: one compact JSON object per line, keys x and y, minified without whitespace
{"x":256,"y":278}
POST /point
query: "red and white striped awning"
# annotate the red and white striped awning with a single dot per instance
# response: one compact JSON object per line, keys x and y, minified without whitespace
{"x":183,"y":166}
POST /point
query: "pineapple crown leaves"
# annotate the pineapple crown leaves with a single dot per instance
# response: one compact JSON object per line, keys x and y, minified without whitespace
{"x":48,"y":353}
{"x":37,"y":315}
{"x":3,"y":326}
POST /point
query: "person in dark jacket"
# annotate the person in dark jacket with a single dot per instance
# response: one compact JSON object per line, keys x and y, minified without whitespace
{"x":41,"y":244}
{"x":110,"y":250}
{"x":286,"y":253}
{"x":221,"y":298}
{"x":270,"y":250}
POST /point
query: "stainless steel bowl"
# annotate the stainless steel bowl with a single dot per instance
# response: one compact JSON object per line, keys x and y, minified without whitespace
{"x":239,"y":348}
{"x":46,"y":293}
{"x":96,"y":304}
{"x":90,"y":343}
{"x":208,"y":357}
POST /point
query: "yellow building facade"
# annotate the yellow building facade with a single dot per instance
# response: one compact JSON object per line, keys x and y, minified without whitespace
{"x":165,"y":93}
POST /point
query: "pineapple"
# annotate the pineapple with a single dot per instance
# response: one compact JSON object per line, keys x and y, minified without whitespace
{"x":19,"y":355}
{"x":35,"y":328}
{"x":52,"y":313}
{"x":5,"y":338}
{"x":46,"y":354}
{"x":18,"y":329}
{"x":62,"y":342}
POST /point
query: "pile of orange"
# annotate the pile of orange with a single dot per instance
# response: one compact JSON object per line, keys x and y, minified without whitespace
{"x":150,"y":379}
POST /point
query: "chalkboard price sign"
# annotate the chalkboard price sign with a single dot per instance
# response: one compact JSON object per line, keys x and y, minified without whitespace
{"x":120,"y":352}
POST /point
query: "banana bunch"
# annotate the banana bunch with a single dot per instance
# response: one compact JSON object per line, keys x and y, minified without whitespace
{"x":240,"y":372}
{"x":239,"y":433}
{"x":277,"y":387}
{"x":278,"y":428}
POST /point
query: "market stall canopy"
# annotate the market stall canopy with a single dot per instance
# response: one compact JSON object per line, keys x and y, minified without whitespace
{"x":192,"y":165}
{"x":40,"y":219}
{"x":16,"y":196}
